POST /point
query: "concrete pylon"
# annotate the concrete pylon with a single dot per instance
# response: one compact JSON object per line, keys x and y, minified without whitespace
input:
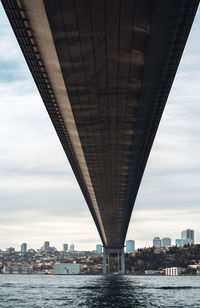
{"x":122,"y":261}
{"x":104,"y":261}
{"x":119,"y":252}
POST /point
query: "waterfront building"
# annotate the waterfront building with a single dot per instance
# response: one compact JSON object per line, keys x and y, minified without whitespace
{"x":157,"y":242}
{"x":65,"y":247}
{"x":66,"y":269}
{"x":153,"y":272}
{"x":130,"y":246}
{"x":187,"y":234}
{"x":166,"y":242}
{"x":71,"y":247}
{"x":46,"y":246}
{"x":99,"y":248}
{"x":17,"y":269}
{"x":178,"y":242}
{"x":24,"y":247}
{"x":173,"y":271}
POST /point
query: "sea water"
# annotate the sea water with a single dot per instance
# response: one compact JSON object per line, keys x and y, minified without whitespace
{"x":32,"y":291}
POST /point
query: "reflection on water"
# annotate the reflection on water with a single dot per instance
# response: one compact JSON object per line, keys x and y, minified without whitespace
{"x":115,"y":291}
{"x":98,"y":291}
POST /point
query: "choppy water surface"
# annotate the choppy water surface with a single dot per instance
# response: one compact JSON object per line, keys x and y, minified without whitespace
{"x":98,"y":291}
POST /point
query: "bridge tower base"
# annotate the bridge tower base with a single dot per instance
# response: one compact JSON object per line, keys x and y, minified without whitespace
{"x":106,"y":257}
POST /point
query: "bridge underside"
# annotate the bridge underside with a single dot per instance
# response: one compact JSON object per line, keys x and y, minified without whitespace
{"x":104,"y":70}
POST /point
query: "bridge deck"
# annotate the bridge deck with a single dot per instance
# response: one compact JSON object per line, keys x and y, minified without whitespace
{"x":104,"y":70}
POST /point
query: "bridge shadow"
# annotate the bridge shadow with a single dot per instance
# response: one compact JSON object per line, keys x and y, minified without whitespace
{"x":115,"y":291}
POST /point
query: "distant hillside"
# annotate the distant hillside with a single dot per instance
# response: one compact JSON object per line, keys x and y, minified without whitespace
{"x":150,"y":258}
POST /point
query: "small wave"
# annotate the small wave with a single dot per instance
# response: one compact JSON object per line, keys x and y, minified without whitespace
{"x":177,"y":287}
{"x":7,"y":285}
{"x":89,"y":287}
{"x":81,"y":288}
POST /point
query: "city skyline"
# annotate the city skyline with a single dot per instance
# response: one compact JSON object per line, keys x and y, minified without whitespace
{"x":39,"y":193}
{"x":130,"y":244}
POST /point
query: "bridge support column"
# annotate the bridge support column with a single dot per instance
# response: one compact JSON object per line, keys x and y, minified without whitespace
{"x":104,"y":261}
{"x":107,"y":253}
{"x":122,"y":261}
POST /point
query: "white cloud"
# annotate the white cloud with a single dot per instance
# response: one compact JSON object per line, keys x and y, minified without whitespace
{"x":163,"y":223}
{"x":35,"y":227}
{"x":10,"y":53}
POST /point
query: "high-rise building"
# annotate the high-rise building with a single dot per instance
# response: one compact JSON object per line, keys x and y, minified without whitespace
{"x":65,"y":247}
{"x":187,"y":236}
{"x":166,"y":242}
{"x":130,"y":246}
{"x":10,"y":249}
{"x":157,"y":242}
{"x":24,"y":247}
{"x":71,"y":247}
{"x":178,"y":242}
{"x":46,"y":246}
{"x":99,"y":248}
{"x":186,"y":241}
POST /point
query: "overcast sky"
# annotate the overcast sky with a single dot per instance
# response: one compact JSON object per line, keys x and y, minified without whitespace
{"x":39,"y":197}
